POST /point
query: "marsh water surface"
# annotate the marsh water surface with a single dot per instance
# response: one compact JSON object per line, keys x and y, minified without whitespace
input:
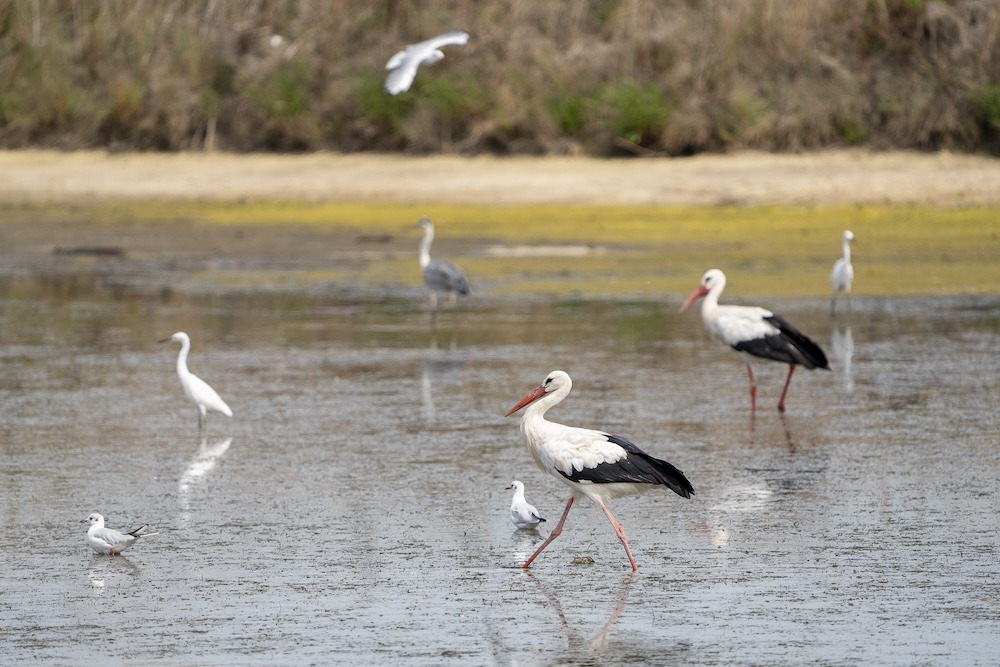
{"x":354,"y":510}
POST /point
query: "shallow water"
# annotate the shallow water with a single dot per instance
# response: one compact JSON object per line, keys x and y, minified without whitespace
{"x":354,"y":508}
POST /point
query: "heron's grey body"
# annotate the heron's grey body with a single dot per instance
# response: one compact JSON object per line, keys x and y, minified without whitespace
{"x":439,"y":275}
{"x":403,"y":65}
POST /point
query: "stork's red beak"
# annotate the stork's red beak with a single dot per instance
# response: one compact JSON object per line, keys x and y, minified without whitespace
{"x":695,"y":295}
{"x":532,"y":396}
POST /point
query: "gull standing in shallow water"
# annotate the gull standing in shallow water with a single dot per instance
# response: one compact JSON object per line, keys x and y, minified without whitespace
{"x":108,"y":540}
{"x":439,"y":275}
{"x":197,"y":390}
{"x":403,"y":65}
{"x":594,"y":464}
{"x":843,"y":272}
{"x":522,"y":513}
{"x":756,"y":331}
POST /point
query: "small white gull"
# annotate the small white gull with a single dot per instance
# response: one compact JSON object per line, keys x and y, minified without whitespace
{"x":108,"y":540}
{"x":522,"y":513}
{"x":403,"y":65}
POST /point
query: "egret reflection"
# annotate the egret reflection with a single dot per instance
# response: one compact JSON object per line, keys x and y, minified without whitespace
{"x":208,"y":455}
{"x":842,"y":348}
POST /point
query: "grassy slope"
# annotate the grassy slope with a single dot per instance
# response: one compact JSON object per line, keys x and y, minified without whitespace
{"x":785,"y":251}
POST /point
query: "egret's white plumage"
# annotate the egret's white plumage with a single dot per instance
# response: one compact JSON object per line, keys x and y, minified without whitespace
{"x":594,"y":464}
{"x":843,"y":271}
{"x":197,"y":390}
{"x":522,"y":513}
{"x":439,"y":275}
{"x":108,"y":540}
{"x":756,"y":331}
{"x":403,"y":65}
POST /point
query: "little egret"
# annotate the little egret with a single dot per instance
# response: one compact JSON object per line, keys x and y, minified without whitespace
{"x":756,"y":331}
{"x":594,"y":464}
{"x":522,"y":513}
{"x":843,"y":272}
{"x":403,"y":65}
{"x":108,"y":540}
{"x":197,"y":390}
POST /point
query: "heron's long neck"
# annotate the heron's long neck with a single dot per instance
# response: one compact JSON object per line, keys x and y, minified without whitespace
{"x":847,"y":251}
{"x":182,"y":358}
{"x":425,"y":248}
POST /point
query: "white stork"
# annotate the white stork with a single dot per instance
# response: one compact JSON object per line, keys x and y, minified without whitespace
{"x":756,"y":331}
{"x":594,"y":464}
{"x":843,"y":272}
{"x":403,"y":65}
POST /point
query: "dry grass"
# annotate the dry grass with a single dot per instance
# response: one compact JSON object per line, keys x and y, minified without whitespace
{"x":635,"y":76}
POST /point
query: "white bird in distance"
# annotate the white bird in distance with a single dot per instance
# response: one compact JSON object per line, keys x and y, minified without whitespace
{"x":403,"y":66}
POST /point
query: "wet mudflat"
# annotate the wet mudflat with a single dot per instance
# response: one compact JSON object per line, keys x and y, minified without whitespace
{"x":353,"y":509}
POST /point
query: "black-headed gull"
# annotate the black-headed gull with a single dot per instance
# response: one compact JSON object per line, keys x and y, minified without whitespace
{"x":522,"y":513}
{"x":108,"y":540}
{"x":197,"y":390}
{"x":403,"y":65}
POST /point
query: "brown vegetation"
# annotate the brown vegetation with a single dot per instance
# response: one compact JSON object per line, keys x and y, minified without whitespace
{"x":674,"y":77}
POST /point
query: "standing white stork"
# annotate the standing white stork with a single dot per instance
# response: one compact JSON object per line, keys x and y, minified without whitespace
{"x":756,"y":331}
{"x":197,"y":390}
{"x":439,"y":275}
{"x":594,"y":464}
{"x":843,"y":272}
{"x":403,"y":65}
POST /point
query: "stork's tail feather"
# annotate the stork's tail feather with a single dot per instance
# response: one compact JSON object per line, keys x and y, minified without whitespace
{"x":812,"y":354}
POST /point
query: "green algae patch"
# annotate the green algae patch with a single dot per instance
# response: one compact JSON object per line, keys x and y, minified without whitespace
{"x":608,"y":250}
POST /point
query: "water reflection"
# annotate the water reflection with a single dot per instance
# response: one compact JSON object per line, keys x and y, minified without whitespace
{"x":208,"y":455}
{"x":580,"y":647}
{"x":103,"y":570}
{"x":523,"y":544}
{"x":842,"y":348}
{"x":438,"y":365}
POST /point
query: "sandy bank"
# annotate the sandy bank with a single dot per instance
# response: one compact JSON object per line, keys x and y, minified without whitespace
{"x":826,"y":178}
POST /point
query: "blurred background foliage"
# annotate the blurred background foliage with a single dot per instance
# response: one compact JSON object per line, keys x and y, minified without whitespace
{"x":608,"y":77}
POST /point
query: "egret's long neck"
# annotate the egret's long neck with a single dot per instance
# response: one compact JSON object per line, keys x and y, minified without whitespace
{"x":847,"y":250}
{"x":182,"y":358}
{"x":425,"y":247}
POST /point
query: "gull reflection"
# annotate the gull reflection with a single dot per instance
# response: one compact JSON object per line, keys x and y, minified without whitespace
{"x":103,"y":571}
{"x":842,"y":348}
{"x":208,"y":455}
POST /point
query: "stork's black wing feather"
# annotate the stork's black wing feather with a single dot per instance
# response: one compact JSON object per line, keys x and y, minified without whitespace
{"x":637,"y":467}
{"x":788,"y":345}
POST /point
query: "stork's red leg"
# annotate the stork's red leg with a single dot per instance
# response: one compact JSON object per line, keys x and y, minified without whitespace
{"x":753,"y":390}
{"x":621,"y":535}
{"x":788,"y":381}
{"x":553,"y":535}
